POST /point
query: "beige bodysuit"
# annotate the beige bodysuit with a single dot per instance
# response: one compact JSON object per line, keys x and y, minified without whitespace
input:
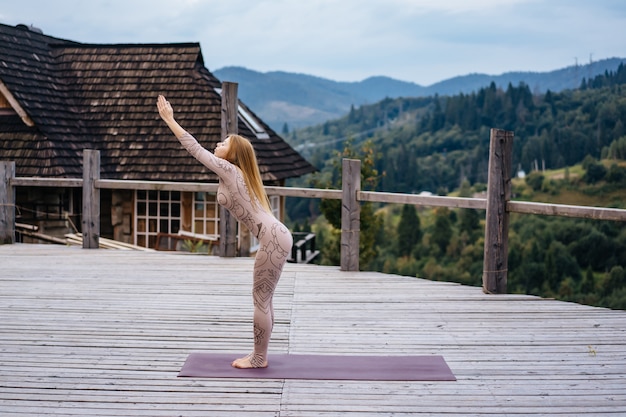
{"x":275,"y":240}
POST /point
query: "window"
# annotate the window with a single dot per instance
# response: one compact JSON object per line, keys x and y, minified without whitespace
{"x":252,"y":123}
{"x":206,"y":215}
{"x":275,"y":205}
{"x":249,"y":120}
{"x":156,"y":212}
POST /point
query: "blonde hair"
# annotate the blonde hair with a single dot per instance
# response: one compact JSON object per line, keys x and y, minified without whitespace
{"x":241,"y":153}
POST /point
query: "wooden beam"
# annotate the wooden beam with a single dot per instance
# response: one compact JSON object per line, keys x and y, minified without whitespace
{"x":422,"y":200}
{"x":91,"y":199}
{"x":7,"y":202}
{"x":47,"y":182}
{"x":350,"y":214}
{"x":157,"y":185}
{"x":228,"y":224}
{"x":495,"y":262}
{"x":584,"y":212}
{"x":16,"y":105}
{"x":304,"y":192}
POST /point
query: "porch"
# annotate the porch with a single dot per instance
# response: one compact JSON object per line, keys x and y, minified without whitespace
{"x":105,"y":332}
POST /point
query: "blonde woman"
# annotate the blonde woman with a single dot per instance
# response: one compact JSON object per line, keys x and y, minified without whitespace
{"x":241,"y":192}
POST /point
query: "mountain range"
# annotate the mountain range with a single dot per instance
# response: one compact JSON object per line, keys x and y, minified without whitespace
{"x":292,"y":101}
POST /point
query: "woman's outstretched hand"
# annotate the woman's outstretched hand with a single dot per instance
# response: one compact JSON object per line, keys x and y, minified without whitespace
{"x":165,"y":109}
{"x":167,"y":114}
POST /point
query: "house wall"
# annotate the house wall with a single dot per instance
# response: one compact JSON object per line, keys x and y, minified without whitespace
{"x":49,"y":209}
{"x":186,"y":214}
{"x":121,"y":215}
{"x":56,"y":212}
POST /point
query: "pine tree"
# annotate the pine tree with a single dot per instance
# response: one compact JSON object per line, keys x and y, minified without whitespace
{"x":409,"y":230}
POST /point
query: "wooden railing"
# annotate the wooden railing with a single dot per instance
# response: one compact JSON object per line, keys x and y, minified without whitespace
{"x":497,"y":205}
{"x":303,"y":249}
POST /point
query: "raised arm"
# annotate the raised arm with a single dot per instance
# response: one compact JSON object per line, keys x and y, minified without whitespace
{"x":167,"y":114}
{"x":221,"y":167}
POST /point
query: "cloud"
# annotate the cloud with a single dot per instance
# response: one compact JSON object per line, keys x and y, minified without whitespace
{"x":417,"y":40}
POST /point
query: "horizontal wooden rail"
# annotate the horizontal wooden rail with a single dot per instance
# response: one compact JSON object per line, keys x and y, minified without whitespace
{"x":495,"y":267}
{"x":46,"y":182}
{"x":157,"y":185}
{"x":583,"y":212}
{"x":169,"y":186}
{"x":524,"y":207}
{"x":422,"y":200}
{"x":304,"y":192}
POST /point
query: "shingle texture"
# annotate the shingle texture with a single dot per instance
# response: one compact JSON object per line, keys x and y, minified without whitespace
{"x":94,"y":96}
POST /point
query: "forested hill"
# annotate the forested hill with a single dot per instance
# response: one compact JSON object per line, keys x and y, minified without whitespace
{"x":440,"y":144}
{"x":434,"y":143}
{"x":298,"y":100}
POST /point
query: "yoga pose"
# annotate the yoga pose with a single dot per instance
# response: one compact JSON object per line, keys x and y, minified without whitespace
{"x":241,"y":192}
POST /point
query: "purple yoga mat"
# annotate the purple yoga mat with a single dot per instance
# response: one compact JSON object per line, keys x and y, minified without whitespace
{"x":330,"y":367}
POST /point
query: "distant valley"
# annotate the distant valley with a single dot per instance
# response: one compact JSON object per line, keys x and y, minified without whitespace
{"x":300,"y":100}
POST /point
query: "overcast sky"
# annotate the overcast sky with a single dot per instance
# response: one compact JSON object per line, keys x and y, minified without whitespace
{"x":423,"y":41}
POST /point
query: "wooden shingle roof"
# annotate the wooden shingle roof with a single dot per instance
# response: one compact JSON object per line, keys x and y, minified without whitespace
{"x":95,"y":96}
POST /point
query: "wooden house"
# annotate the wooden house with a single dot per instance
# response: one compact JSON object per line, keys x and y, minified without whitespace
{"x":59,"y":97}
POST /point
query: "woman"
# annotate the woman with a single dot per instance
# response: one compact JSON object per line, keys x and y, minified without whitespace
{"x":241,"y":192}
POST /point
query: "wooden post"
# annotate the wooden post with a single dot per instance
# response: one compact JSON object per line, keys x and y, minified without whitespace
{"x":350,"y":214}
{"x":91,"y":199}
{"x":228,"y":224}
{"x":495,"y":264}
{"x":7,"y":202}
{"x":245,"y":241}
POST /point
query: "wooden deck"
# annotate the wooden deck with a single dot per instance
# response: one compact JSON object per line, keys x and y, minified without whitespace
{"x":104,"y":333}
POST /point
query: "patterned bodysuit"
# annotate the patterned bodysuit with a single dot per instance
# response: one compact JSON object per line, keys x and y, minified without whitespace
{"x":275,"y":240}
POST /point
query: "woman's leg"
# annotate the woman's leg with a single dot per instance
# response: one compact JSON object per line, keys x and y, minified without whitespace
{"x":268,"y":266}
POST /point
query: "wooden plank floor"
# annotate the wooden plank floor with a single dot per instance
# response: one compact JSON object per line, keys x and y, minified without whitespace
{"x":104,"y":333}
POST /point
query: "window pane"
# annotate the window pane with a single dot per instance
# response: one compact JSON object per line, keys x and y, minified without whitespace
{"x":175,"y":196}
{"x":210,"y":211}
{"x":141,"y":194}
{"x":141,"y":240}
{"x":164,"y":209}
{"x":175,"y":227}
{"x":211,"y":229}
{"x":141,"y":225}
{"x":153,"y":209}
{"x":198,"y":226}
{"x":151,"y":241}
{"x":164,"y":226}
{"x":141,"y":209}
{"x":175,"y":210}
{"x":152,"y":224}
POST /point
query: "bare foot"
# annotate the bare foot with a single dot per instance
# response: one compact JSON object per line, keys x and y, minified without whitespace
{"x":249,"y":361}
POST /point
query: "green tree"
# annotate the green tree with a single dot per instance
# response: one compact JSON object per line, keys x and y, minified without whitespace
{"x":616,"y":173}
{"x":617,"y":149}
{"x":588,"y":285}
{"x":594,"y":249}
{"x":615,"y":280}
{"x":442,"y":230}
{"x":409,"y":230}
{"x":469,"y":222}
{"x":595,"y":172}
{"x":560,"y":265}
{"x":370,"y":222}
{"x":535,"y":180}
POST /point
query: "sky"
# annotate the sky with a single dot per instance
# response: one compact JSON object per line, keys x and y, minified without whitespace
{"x":422,"y":41}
